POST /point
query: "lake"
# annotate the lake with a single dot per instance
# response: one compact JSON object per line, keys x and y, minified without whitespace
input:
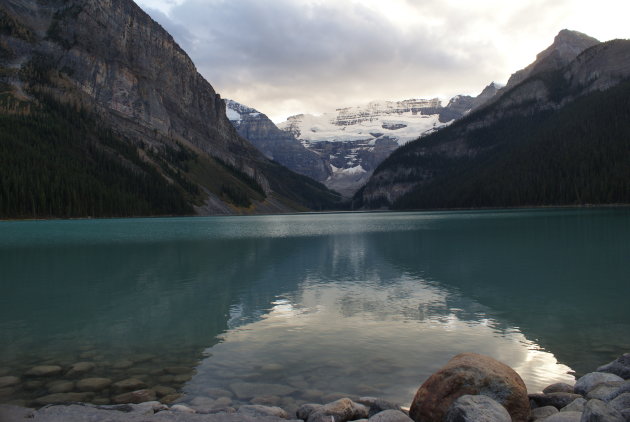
{"x":295,"y":308}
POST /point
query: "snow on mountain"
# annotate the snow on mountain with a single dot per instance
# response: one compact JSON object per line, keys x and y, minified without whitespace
{"x":355,"y":140}
{"x":400,"y":121}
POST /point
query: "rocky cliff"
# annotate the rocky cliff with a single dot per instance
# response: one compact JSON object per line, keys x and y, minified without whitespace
{"x":551,"y":138}
{"x":274,"y":143}
{"x":111,"y":58}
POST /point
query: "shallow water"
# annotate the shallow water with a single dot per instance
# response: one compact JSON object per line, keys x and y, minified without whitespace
{"x":297,"y":307}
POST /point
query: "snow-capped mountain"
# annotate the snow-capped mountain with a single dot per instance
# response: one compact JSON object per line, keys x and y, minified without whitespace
{"x":355,"y":140}
{"x":274,"y":143}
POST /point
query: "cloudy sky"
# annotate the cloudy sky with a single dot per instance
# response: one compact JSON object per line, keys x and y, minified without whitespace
{"x":285,"y":57}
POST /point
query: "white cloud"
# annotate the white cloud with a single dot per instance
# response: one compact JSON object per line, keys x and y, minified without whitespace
{"x":290,"y":56}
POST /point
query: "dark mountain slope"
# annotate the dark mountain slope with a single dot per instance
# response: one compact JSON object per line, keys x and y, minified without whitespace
{"x":559,"y":137}
{"x":124,"y":74}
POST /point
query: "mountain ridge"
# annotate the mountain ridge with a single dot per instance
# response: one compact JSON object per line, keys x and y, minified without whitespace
{"x":472,"y":148}
{"x":111,"y":60}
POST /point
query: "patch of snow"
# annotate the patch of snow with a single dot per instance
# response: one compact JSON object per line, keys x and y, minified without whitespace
{"x":233,"y":115}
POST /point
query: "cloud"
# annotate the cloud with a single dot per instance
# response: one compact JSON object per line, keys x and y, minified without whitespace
{"x":288,"y":56}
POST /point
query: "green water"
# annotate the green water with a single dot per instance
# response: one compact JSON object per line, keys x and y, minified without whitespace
{"x":356,"y":304}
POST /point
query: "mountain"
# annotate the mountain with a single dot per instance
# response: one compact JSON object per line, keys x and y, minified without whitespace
{"x":559,"y":136}
{"x":352,"y":141}
{"x":274,"y":143}
{"x":103,"y":114}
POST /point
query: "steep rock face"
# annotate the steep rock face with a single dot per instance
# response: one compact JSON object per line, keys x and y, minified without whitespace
{"x":274,"y":143}
{"x":566,"y":46}
{"x":112,"y":59}
{"x":353,"y":141}
{"x":489,"y":138}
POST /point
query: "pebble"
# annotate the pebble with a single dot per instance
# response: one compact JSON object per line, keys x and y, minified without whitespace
{"x":137,"y":396}
{"x":128,"y":384}
{"x":171,"y":398}
{"x":93,"y":384}
{"x":80,"y":368}
{"x":62,"y":386}
{"x":122,"y":364}
{"x":182,"y":408}
{"x":9,"y":381}
{"x":44,"y":371}
{"x":162,"y":390}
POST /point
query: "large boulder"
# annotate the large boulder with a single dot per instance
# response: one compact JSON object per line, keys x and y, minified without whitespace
{"x":470,"y":374}
{"x":619,"y":366}
{"x":476,"y":409}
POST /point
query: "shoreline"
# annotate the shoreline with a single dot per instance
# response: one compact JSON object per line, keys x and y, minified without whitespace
{"x":486,"y":389}
{"x":376,"y":211}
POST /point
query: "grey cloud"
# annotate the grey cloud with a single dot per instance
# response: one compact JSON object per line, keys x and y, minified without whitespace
{"x":326,"y":51}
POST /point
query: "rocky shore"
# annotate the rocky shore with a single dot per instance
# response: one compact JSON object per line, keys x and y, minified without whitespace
{"x":469,"y":388}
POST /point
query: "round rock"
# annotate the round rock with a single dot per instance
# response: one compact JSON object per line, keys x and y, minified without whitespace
{"x":93,"y":384}
{"x":470,"y":374}
{"x":598,"y":411}
{"x":559,"y":387}
{"x":619,"y":366}
{"x":80,"y":368}
{"x":44,"y":371}
{"x":476,"y":409}
{"x":542,"y":412}
{"x":589,"y":381}
{"x":138,"y":396}
{"x":8,"y":381}
{"x":390,"y":415}
{"x":60,"y":387}
{"x":129,"y":384}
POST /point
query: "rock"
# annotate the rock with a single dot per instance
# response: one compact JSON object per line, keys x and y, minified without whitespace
{"x":171,"y":398}
{"x":469,"y":408}
{"x":33,"y":385}
{"x":559,"y":387}
{"x":623,"y":388}
{"x":246,"y":390}
{"x":390,"y":415}
{"x":576,"y":405}
{"x":218,"y":392}
{"x":619,"y":366}
{"x":591,"y":380}
{"x":142,"y":358}
{"x":621,"y":402}
{"x":44,"y":371}
{"x":153,"y":406}
{"x":222,"y":402}
{"x":377,"y":405}
{"x":563,"y":417}
{"x":266,"y":400}
{"x":101,"y":401}
{"x":626,"y":414}
{"x":122,"y":364}
{"x":604,"y":390}
{"x":331,"y":397}
{"x":138,"y":396}
{"x":59,"y":398}
{"x":130,"y":384}
{"x":341,"y":410}
{"x":177,"y":370}
{"x":258,"y":411}
{"x":93,"y":384}
{"x":8,"y":381}
{"x":542,"y":412}
{"x":162,"y":390}
{"x":182,"y":378}
{"x":61,"y":386}
{"x":305,"y":410}
{"x":15,"y":413}
{"x":7,"y":391}
{"x":557,"y":400}
{"x":311,"y":394}
{"x":598,"y":411}
{"x":470,"y":374}
{"x":182,"y":408}
{"x":80,"y":368}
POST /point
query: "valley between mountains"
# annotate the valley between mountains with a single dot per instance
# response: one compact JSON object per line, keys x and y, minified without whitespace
{"x":102,"y":114}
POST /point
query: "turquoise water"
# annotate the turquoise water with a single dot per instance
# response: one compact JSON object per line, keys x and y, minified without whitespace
{"x":355,"y":304}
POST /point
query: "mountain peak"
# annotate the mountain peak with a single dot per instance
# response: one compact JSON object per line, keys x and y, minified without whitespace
{"x":567,"y":45}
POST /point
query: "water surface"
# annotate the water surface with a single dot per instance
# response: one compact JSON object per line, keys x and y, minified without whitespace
{"x":356,"y":304}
